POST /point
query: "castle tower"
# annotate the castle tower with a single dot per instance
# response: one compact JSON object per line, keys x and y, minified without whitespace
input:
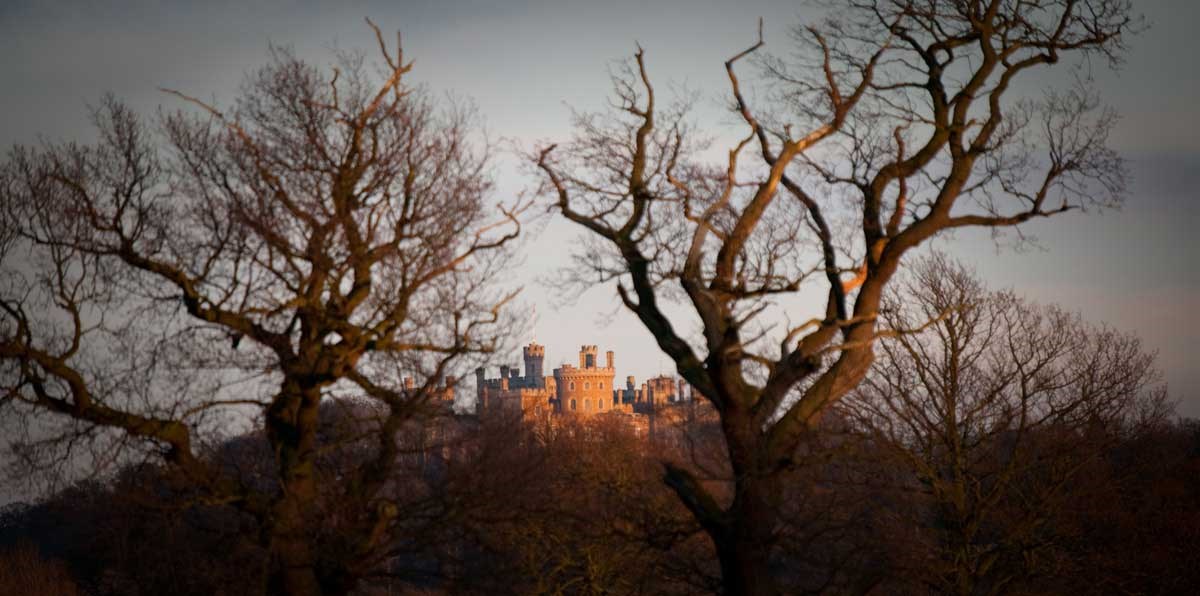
{"x":587,"y":357}
{"x":587,"y":389}
{"x":661,"y":390}
{"x":535,"y":356}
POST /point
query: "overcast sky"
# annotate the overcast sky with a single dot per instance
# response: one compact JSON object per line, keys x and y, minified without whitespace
{"x":524,"y":62}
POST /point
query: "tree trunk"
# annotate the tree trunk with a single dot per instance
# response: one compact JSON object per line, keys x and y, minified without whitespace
{"x":293,"y":565}
{"x":744,"y":549}
{"x":291,"y":424}
{"x":743,"y":533}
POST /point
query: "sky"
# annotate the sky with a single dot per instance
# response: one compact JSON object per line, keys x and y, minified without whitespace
{"x":525,"y":62}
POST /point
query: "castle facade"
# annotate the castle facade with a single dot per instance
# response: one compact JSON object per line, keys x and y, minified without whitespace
{"x":586,"y":390}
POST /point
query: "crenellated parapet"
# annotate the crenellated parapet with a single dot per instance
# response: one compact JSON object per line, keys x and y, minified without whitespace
{"x":439,"y":392}
{"x":586,"y":389}
{"x":534,"y":356}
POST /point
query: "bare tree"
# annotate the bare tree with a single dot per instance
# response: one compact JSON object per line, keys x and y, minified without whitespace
{"x":998,"y":411}
{"x":226,"y":270}
{"x":897,"y":121}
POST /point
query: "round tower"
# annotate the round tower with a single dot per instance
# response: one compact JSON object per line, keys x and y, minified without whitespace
{"x":585,"y":390}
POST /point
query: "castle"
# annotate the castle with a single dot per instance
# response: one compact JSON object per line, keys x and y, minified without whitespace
{"x":585,"y":390}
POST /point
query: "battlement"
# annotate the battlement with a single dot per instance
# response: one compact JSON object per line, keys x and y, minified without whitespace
{"x":587,"y":356}
{"x":575,"y":370}
{"x":437,"y":390}
{"x":534,"y":356}
{"x":586,"y":389}
{"x":510,"y":378}
{"x":509,"y":382}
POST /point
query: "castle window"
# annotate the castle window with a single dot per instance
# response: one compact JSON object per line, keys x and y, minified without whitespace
{"x":587,"y":405}
{"x":572,"y":404}
{"x":572,"y":388}
{"x":600,"y":405}
{"x":602,"y":384}
{"x":587,"y":385}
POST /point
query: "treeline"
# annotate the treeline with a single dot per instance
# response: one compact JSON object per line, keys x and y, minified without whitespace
{"x":579,"y":509}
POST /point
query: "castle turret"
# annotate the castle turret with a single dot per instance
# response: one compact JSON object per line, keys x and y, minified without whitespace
{"x":587,"y":357}
{"x":608,"y":359}
{"x":535,"y":356}
{"x":587,"y":389}
{"x":661,"y":390}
